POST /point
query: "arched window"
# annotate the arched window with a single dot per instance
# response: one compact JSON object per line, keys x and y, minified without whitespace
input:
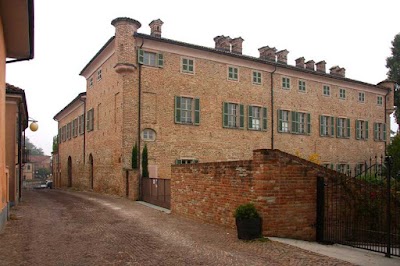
{"x":148,"y":134}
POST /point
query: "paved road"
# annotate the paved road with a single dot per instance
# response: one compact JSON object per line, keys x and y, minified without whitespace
{"x":56,"y":227}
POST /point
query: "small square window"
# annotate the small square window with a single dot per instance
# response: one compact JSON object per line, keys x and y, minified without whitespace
{"x":361,"y":97}
{"x":379,"y":100}
{"x":233,"y":73}
{"x":256,"y":77}
{"x":342,"y":94}
{"x":326,"y":90}
{"x":187,"y":65}
{"x":302,"y":86}
{"x":285,"y":83}
{"x":99,"y":74}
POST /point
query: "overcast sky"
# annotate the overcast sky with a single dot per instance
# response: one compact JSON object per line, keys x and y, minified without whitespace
{"x":356,"y":35}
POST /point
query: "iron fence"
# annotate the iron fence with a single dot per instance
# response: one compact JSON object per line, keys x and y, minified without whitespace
{"x":361,"y":210}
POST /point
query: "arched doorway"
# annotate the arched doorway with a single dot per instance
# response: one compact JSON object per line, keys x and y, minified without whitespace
{"x":91,"y":171}
{"x":69,"y":171}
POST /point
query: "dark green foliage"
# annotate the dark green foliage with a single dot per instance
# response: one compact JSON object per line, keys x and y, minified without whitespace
{"x":33,"y":150}
{"x":393,"y":64}
{"x":145,"y":163}
{"x":394,"y":150}
{"x":55,"y":144}
{"x":246,"y":211}
{"x":135,"y":157}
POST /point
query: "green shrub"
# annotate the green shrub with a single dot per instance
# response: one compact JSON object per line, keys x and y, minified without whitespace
{"x":246,"y":211}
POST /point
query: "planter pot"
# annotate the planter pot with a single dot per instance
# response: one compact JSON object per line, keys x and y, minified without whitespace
{"x":248,"y":229}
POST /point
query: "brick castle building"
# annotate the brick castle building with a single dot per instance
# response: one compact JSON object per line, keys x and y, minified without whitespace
{"x":189,"y":103}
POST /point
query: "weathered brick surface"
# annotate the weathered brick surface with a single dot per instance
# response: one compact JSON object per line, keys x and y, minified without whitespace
{"x":282,"y":186}
{"x":115,"y":101}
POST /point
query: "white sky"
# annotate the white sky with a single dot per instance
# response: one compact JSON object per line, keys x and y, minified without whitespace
{"x":355,"y":35}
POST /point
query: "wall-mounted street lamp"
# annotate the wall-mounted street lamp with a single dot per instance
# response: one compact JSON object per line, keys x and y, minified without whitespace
{"x":33,"y":126}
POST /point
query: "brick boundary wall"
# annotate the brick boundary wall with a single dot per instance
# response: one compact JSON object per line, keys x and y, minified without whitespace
{"x":282,"y":186}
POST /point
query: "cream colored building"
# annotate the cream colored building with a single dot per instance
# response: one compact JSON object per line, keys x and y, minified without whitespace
{"x":189,"y":103}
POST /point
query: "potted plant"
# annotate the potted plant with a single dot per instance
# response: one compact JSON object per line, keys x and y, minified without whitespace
{"x":248,"y":222}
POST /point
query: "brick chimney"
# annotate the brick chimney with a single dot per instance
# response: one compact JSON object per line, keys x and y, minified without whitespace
{"x":282,"y":56}
{"x":321,"y":65}
{"x":155,"y":27}
{"x":338,"y":71}
{"x":310,"y":65}
{"x":300,"y":62}
{"x":267,"y":52}
{"x":223,"y":43}
{"x":237,"y":45}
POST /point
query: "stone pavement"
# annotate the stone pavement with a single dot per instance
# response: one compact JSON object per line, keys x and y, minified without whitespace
{"x":56,"y":227}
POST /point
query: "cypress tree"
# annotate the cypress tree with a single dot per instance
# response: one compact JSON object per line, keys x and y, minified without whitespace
{"x":145,"y":163}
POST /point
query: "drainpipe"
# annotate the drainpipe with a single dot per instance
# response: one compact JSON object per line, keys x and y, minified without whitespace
{"x":272,"y":108}
{"x":139,"y":126}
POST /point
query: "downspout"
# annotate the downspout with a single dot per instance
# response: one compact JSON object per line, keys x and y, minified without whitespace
{"x":139,"y":125}
{"x":272,"y":108}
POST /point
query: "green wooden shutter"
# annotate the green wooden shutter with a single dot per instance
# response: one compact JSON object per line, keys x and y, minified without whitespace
{"x":241,"y":119}
{"x":348,"y":127}
{"x":178,"y":161}
{"x":196,"y":111}
{"x":264,"y":118}
{"x":160,"y":60}
{"x":357,"y":129}
{"x":250,"y":117}
{"x":332,"y":126}
{"x":375,"y":131}
{"x":321,"y":126}
{"x":294,"y":122}
{"x":337,"y":127}
{"x":366,"y":129}
{"x":384,"y":132}
{"x":177,"y":109}
{"x":308,"y":123}
{"x":225,"y":114}
{"x":140,"y":56}
{"x":280,"y":120}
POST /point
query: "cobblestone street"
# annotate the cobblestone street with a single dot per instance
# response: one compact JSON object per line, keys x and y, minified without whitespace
{"x":56,"y":227}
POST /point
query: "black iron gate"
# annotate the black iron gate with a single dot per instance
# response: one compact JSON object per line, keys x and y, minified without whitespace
{"x":362,"y":210}
{"x":157,"y":191}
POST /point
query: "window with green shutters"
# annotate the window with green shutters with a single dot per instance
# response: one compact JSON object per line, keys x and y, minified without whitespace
{"x":257,"y":118}
{"x":233,"y":115}
{"x":69,"y":126}
{"x":75,"y":127}
{"x":361,"y":97}
{"x":361,"y":129}
{"x":301,"y":123}
{"x":59,"y":137}
{"x":187,"y":65}
{"x":342,"y":127}
{"x":285,"y":83}
{"x":326,"y":126}
{"x":186,"y":161}
{"x":81,"y":127}
{"x":342,"y":94}
{"x":256,"y":77}
{"x":150,"y":58}
{"x":302,"y":86}
{"x":283,"y":121}
{"x":90,"y":120}
{"x":379,"y":132}
{"x":326,"y":90}
{"x":64,"y":133}
{"x":294,"y":122}
{"x":343,"y":168}
{"x":187,"y":110}
{"x":379,"y":100}
{"x":233,"y":73}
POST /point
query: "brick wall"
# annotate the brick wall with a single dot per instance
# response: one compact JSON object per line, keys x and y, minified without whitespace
{"x":282,"y":186}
